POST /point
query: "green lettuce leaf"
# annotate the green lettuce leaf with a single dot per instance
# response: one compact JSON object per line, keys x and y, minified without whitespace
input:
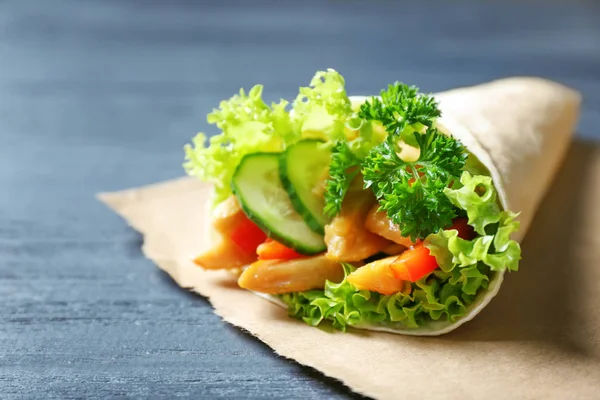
{"x":323,"y":109}
{"x":249,"y":125}
{"x":440,"y":295}
{"x":478,"y":197}
{"x":466,"y":268}
{"x":493,"y":247}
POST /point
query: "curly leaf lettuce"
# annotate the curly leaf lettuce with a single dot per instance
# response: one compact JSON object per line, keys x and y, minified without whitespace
{"x":249,"y":125}
{"x":440,"y":295}
{"x":466,"y":269}
{"x":493,"y":246}
{"x":478,"y":197}
{"x":323,"y":108}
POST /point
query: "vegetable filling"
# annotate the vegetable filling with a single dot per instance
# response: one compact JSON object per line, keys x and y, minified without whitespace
{"x":379,"y":218}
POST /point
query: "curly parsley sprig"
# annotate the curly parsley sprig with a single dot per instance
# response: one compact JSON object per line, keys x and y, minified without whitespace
{"x":401,"y":110}
{"x":411,"y":192}
{"x":344,"y":167}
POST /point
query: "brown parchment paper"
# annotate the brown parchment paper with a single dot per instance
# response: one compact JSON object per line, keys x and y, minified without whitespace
{"x":539,"y":338}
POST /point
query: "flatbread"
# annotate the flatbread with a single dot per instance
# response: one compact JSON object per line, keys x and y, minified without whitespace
{"x":520,"y":130}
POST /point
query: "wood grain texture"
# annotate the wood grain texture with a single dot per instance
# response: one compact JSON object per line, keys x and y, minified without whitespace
{"x":101,"y":95}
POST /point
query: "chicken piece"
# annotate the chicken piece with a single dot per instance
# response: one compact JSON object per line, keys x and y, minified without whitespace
{"x":225,"y":253}
{"x":379,"y":277}
{"x":387,"y":275}
{"x":227,"y":216}
{"x":276,"y":276}
{"x":346,"y":237}
{"x":394,"y":249}
{"x":379,"y":223}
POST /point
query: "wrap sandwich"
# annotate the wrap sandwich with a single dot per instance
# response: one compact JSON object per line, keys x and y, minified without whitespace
{"x":399,"y":212}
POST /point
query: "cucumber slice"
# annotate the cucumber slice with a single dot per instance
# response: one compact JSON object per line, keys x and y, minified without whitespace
{"x":257,"y":186}
{"x":301,"y":170}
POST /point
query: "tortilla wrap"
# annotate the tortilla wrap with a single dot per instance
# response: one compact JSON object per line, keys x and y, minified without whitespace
{"x":520,"y":129}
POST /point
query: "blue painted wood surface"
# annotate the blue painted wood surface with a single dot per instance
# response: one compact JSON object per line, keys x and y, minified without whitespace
{"x":102,"y":95}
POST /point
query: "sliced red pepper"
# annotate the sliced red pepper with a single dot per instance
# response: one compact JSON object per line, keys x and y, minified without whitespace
{"x":273,"y":250}
{"x":414,"y":263}
{"x":417,"y":261}
{"x":248,"y":236}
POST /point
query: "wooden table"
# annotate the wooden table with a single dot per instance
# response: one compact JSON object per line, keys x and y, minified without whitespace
{"x":102,"y":95}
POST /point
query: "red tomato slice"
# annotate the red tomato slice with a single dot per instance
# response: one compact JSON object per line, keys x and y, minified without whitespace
{"x":465,"y":231}
{"x":247,"y":236}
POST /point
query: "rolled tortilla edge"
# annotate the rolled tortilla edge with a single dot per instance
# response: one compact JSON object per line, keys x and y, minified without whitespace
{"x":447,"y":125}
